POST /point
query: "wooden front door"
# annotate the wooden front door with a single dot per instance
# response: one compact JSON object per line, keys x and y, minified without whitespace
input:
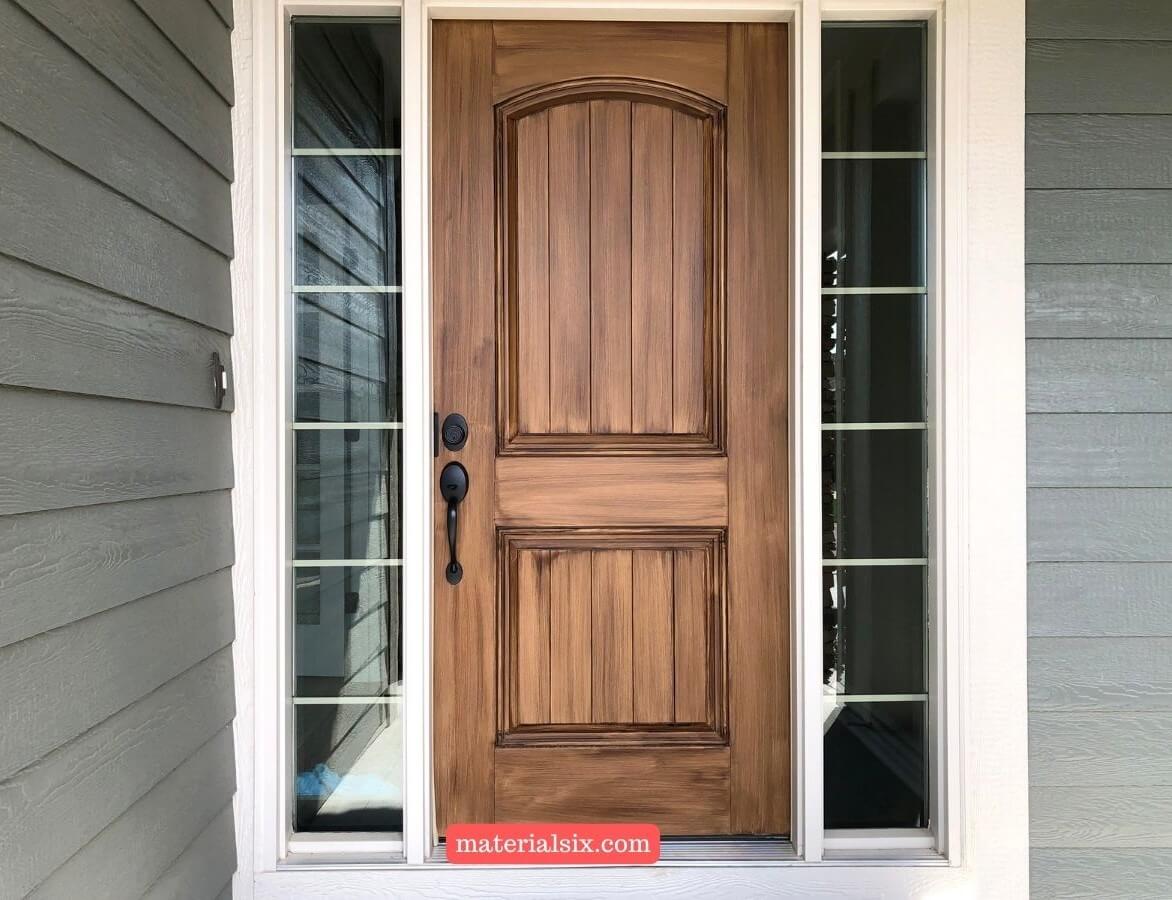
{"x":610,"y":301}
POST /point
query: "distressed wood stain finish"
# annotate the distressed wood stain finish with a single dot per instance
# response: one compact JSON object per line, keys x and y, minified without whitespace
{"x":601,"y":658}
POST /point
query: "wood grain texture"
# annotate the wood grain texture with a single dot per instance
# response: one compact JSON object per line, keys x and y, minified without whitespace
{"x":121,"y":42}
{"x":1089,"y":19}
{"x":1124,"y":450}
{"x":73,"y":451}
{"x":1117,"y":376}
{"x":1099,"y":525}
{"x":569,"y":267}
{"x":1100,"y":748}
{"x":692,"y":660}
{"x":570,"y":656}
{"x":1094,"y":817}
{"x":61,"y":566}
{"x":1101,"y":673}
{"x":1099,"y":301}
{"x":1074,"y":76}
{"x":611,"y":491}
{"x":463,"y":358}
{"x":531,"y":682}
{"x":690,"y":55}
{"x":103,"y":663}
{"x":201,"y":786}
{"x":1071,"y":873}
{"x":201,"y":36}
{"x":203,"y":867}
{"x":1068,"y":151}
{"x":533,"y":282}
{"x":610,"y":266}
{"x":613,"y":685}
{"x":46,"y":213}
{"x":61,"y":802}
{"x":686,"y":792}
{"x":758,"y":267}
{"x":652,"y":357}
{"x":54,"y":98}
{"x":692,"y":264}
{"x":1107,"y":226}
{"x":1100,"y":599}
{"x":61,"y":335}
{"x":653,"y":636}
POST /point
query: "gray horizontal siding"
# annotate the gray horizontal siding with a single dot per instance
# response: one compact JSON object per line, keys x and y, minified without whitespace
{"x":116,"y":616}
{"x":1099,"y":301}
{"x":1099,"y":398}
{"x":64,"y":802}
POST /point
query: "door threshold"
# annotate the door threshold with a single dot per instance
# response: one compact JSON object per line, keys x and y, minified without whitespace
{"x":701,"y":850}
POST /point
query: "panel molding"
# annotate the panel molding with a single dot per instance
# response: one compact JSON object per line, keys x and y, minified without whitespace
{"x":511,"y":437}
{"x":711,"y":732}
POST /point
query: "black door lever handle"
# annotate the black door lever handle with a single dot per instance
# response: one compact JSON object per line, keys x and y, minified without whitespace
{"x":453,"y":488}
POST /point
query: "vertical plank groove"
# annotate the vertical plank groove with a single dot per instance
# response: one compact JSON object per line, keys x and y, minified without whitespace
{"x":651,"y":269}
{"x":689,"y":273}
{"x":652,"y":642}
{"x":569,"y":268}
{"x":613,"y":679}
{"x":532,"y":252}
{"x":692,"y":601}
{"x":533,"y":637}
{"x":610,"y":266}
{"x":570,"y":636}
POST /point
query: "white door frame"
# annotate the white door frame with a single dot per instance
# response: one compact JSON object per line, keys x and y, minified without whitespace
{"x":979,"y":442}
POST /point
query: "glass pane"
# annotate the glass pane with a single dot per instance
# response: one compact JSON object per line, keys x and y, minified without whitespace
{"x":348,"y":627}
{"x":346,"y":84}
{"x":873,"y":87}
{"x":348,"y":357}
{"x":347,"y":494}
{"x":873,"y":222}
{"x":875,"y":765}
{"x":875,"y":620}
{"x":346,"y":211}
{"x":873,"y":360}
{"x":349,"y":767}
{"x":873,"y":485}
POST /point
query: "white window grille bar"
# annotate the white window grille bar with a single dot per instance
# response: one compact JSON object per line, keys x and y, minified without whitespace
{"x":874,"y":426}
{"x":380,"y":700}
{"x":874,"y":154}
{"x":353,"y":563}
{"x":874,"y":698}
{"x":347,"y":426}
{"x":827,"y":291}
{"x":347,"y":151}
{"x":347,"y":289}
{"x":884,"y":561}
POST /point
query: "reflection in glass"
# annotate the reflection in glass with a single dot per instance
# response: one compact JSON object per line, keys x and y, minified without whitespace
{"x":347,"y":219}
{"x":873,"y":358}
{"x":346,"y":84}
{"x":873,"y":222}
{"x":348,"y":626}
{"x":873,"y":494}
{"x":347,"y":494}
{"x":873,"y":87}
{"x":347,"y":357}
{"x":875,"y":624}
{"x":349,"y":774}
{"x":875,"y":765}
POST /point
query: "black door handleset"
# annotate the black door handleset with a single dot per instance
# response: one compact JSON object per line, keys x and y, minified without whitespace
{"x":453,"y":488}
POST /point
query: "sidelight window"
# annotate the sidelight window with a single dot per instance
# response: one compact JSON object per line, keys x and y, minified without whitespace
{"x":346,"y":558}
{"x":875,"y":423}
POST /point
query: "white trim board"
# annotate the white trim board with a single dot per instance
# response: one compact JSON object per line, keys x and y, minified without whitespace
{"x":978,"y":454}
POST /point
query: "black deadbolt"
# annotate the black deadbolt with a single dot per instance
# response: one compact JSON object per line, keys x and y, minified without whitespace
{"x":454,"y":431}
